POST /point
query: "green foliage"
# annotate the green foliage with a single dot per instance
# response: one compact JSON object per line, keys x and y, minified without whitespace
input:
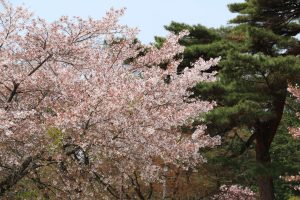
{"x":278,"y":15}
{"x":294,"y":198}
{"x":27,"y":195}
{"x":56,"y":137}
{"x":285,"y":151}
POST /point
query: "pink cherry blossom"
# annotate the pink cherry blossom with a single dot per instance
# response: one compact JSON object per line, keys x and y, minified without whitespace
{"x":235,"y":192}
{"x":295,"y":131}
{"x":72,"y":104}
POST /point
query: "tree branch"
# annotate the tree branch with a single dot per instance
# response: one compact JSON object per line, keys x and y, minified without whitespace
{"x":40,"y":64}
{"x":245,"y":146}
{"x":17,"y":175}
{"x":13,"y":92}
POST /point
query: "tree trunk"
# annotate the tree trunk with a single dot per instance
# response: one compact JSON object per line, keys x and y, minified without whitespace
{"x":265,"y":133}
{"x":265,"y":182}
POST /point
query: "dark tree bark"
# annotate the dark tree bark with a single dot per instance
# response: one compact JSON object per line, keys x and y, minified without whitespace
{"x":265,"y":182}
{"x":265,"y":133}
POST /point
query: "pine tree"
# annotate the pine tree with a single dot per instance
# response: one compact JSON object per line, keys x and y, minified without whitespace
{"x":259,"y":60}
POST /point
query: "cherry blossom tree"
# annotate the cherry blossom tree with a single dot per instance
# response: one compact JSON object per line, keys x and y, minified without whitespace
{"x":77,"y":118}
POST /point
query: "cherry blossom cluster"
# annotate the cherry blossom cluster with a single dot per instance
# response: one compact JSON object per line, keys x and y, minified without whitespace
{"x":295,"y":131}
{"x":235,"y":192}
{"x":71,"y":101}
{"x":293,"y":179}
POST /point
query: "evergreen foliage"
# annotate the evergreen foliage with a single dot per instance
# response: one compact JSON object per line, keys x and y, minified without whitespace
{"x":260,"y":57}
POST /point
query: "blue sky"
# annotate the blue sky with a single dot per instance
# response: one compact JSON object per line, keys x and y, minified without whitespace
{"x":148,"y":15}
